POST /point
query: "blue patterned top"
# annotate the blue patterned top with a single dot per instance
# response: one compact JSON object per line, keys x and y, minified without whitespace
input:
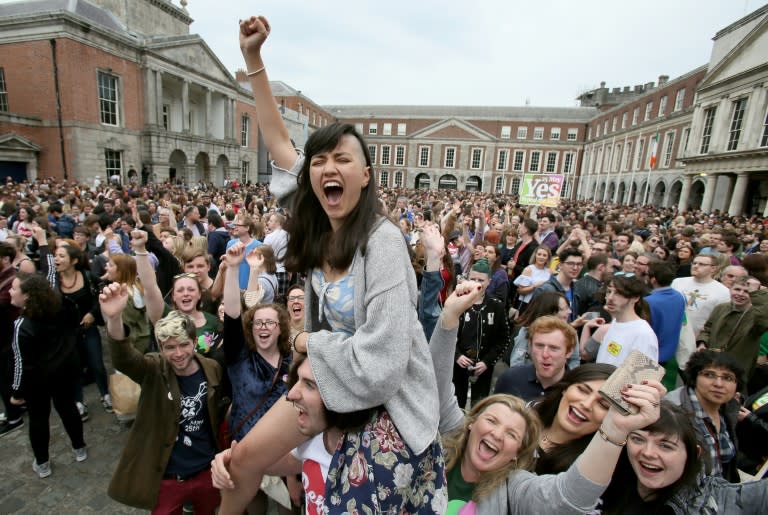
{"x":336,"y":301}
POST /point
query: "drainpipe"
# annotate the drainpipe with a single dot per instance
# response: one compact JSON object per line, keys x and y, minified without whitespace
{"x":58,"y":109}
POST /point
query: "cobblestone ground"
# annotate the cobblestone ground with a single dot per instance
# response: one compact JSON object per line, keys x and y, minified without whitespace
{"x":72,"y":487}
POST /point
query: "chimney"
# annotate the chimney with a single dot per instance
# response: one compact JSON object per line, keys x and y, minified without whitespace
{"x":616,"y":90}
{"x":663,"y":79}
{"x":648,"y":86}
{"x":602,"y":84}
{"x":639,"y":88}
{"x":626,"y":89}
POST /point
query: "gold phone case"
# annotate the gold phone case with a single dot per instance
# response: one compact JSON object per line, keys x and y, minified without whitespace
{"x":636,"y":368}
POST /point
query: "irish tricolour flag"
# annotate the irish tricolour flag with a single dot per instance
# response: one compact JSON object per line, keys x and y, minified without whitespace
{"x":654,"y":149}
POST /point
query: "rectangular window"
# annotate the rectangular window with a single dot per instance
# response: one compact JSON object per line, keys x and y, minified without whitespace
{"x":764,"y":138}
{"x":624,"y":120}
{"x":635,"y":116}
{"x":662,"y":106}
{"x":400,"y":155}
{"x":515,"y":189}
{"x":423,"y":156}
{"x":573,"y":134}
{"x":669,"y":141}
{"x":706,"y":133}
{"x":384,"y":177}
{"x":244,"y":169}
{"x":648,"y":111}
{"x":554,"y":133}
{"x":501,"y":160}
{"x":628,"y":156}
{"x":113,"y":162}
{"x":385,"y":154}
{"x":506,"y":131}
{"x":613,"y":124}
{"x":477,"y":159}
{"x":538,"y":133}
{"x":522,"y":133}
{"x":398,"y":179}
{"x":3,"y":92}
{"x":568,"y":162}
{"x":739,"y":106}
{"x":450,"y":157}
{"x":551,"y":162}
{"x":387,"y":129}
{"x":640,"y":154}
{"x":359,"y":128}
{"x":245,"y":130}
{"x":500,"y":184}
{"x":605,"y":127}
{"x":519,"y":161}
{"x":166,"y":116}
{"x":589,"y":133}
{"x":684,"y":142}
{"x":597,"y":130}
{"x":109,"y":99}
{"x":679,"y":99}
{"x":401,"y":131}
{"x":535,"y":158}
{"x":617,"y":158}
{"x":373,"y":128}
{"x":372,"y":151}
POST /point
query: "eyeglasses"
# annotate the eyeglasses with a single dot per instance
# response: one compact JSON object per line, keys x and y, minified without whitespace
{"x":654,"y":241}
{"x":294,"y":298}
{"x":574,"y":264}
{"x":712,"y":376}
{"x":269,"y":324}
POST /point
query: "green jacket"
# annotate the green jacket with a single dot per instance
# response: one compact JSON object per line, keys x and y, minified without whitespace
{"x":136,"y":481}
{"x":738,"y":332}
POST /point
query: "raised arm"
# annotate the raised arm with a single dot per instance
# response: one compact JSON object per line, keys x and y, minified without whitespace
{"x":152,"y":295}
{"x":233,"y":257}
{"x":47,"y":267}
{"x":253,"y":33}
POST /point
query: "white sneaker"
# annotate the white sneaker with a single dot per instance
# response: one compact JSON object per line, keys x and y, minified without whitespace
{"x":83,"y":410}
{"x":81,"y":454}
{"x":43,"y":470}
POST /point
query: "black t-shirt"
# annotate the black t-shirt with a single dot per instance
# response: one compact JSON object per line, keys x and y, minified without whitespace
{"x":194,"y":448}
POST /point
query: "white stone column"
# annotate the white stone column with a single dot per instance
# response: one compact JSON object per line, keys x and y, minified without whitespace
{"x":159,"y":97}
{"x":682,"y":204}
{"x":149,"y":101}
{"x":185,"y":106}
{"x":709,"y":193}
{"x":208,"y":113}
{"x":697,"y":125}
{"x":227,"y":117}
{"x":739,"y":193}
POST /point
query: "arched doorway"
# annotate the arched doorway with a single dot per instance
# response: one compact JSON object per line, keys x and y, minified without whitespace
{"x":202,"y":169}
{"x":697,"y":195}
{"x":658,"y":193}
{"x":622,"y":192}
{"x":674,"y":193}
{"x":600,"y":193}
{"x":421,"y":182}
{"x":222,"y":165}
{"x":611,"y":192}
{"x":474,"y":183}
{"x":177,"y":171}
{"x":447,"y":182}
{"x":632,"y":193}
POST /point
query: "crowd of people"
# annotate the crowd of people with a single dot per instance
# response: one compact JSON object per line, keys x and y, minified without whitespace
{"x":338,"y":345}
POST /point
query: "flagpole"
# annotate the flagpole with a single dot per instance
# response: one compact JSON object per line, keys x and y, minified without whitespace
{"x":651,"y":162}
{"x":634,"y":169}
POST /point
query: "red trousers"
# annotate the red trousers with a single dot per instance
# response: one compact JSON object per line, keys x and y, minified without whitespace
{"x":197,"y":490}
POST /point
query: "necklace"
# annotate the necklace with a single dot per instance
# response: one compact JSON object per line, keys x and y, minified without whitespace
{"x":68,"y":286}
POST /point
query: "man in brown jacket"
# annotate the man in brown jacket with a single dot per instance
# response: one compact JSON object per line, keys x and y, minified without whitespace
{"x":166,"y":462}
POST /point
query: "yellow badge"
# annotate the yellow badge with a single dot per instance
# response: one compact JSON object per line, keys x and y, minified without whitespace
{"x":614,"y":349}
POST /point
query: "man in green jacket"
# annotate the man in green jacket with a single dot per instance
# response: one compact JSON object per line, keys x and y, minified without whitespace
{"x":166,"y":462}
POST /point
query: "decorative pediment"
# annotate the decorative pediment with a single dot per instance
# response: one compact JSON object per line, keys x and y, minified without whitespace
{"x":13,"y":141}
{"x":192,"y":54}
{"x":453,"y":128}
{"x":746,"y":55}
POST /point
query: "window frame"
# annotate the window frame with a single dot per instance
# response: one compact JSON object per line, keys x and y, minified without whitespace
{"x":476,"y":158}
{"x":502,"y":163}
{"x":400,"y":155}
{"x":534,"y":163}
{"x":452,"y":151}
{"x":421,"y":163}
{"x":103,"y":101}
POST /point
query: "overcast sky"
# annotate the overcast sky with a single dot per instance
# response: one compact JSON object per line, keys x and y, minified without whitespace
{"x":477,"y":52}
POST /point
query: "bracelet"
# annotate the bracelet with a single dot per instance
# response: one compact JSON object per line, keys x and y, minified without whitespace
{"x":251,"y":74}
{"x":140,"y":253}
{"x":605,"y":437}
{"x":293,"y":342}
